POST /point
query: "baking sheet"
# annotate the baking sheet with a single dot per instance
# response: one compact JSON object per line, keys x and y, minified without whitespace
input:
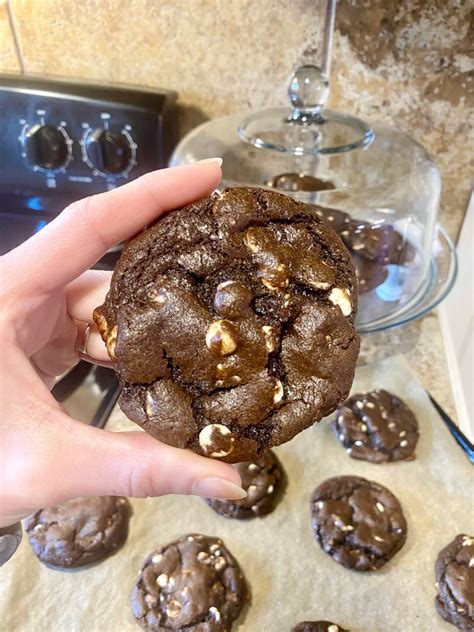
{"x":291,"y":579}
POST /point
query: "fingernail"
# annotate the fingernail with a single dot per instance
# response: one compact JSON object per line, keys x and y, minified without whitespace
{"x":217,"y":159}
{"x":217,"y":488}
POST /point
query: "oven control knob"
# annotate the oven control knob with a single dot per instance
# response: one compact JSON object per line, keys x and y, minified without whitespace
{"x":47,"y":147}
{"x":107,"y":151}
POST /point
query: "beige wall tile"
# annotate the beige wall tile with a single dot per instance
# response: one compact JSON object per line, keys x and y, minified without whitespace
{"x":8,"y":57}
{"x":407,"y":62}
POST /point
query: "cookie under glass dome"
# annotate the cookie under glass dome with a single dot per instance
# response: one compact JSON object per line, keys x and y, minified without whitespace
{"x":378,"y":188}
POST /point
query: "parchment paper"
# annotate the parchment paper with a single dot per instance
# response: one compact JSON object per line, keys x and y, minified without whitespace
{"x":291,"y":579}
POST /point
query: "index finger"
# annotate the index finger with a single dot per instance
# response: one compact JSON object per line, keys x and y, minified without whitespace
{"x":86,"y":229}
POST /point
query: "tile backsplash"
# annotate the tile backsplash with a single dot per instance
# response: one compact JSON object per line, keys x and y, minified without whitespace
{"x":407,"y":63}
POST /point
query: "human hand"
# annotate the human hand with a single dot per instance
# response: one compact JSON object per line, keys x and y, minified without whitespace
{"x":47,"y":295}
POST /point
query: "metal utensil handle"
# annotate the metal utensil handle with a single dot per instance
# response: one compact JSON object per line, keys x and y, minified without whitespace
{"x":328,"y":37}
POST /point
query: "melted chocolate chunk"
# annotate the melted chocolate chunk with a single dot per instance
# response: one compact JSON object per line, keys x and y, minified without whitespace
{"x":359,"y":523}
{"x":455,"y":582}
{"x":79,"y":532}
{"x":376,"y":427}
{"x":191,"y":584}
{"x":232,"y":324}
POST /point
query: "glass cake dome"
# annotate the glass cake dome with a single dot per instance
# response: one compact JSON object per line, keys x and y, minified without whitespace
{"x":375,"y":185}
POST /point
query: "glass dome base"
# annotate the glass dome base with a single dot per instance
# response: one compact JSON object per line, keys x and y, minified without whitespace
{"x":440,"y":279}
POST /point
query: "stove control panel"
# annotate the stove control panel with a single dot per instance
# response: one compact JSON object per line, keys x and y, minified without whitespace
{"x":62,"y":141}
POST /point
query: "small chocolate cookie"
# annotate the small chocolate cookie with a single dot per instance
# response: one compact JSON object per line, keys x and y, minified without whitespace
{"x":376,"y":427}
{"x":232,"y":324}
{"x":318,"y":626}
{"x":455,"y":583}
{"x":359,"y":523}
{"x":299,"y":182}
{"x":370,"y":274}
{"x":191,"y":584}
{"x":376,"y":242}
{"x":338,"y":220}
{"x":261,"y":479}
{"x":79,"y":532}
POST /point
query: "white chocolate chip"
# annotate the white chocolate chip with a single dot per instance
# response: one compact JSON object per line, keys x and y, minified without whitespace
{"x":370,"y":405}
{"x":38,"y":527}
{"x":471,"y":562}
{"x":341,"y":297}
{"x":252,"y":467}
{"x":380,"y":507}
{"x":235,"y":379}
{"x":402,"y":434}
{"x":254,"y":508}
{"x":341,"y":437}
{"x":363,"y":427}
{"x":251,"y":489}
{"x":270,"y":337}
{"x":377,"y":539}
{"x":270,"y":489}
{"x":215,"y":613}
{"x":162,"y":580}
{"x":221,"y":286}
{"x":220,"y":564}
{"x":319,"y":285}
{"x":392,"y":425}
{"x":213,"y":548}
{"x":219,"y":338}
{"x":404,"y":443}
{"x":202,"y":556}
{"x":158,"y":296}
{"x":150,"y":600}
{"x":347,"y":527}
{"x":173,"y":609}
{"x":349,"y":450}
{"x":190,"y":538}
{"x":360,"y":405}
{"x":156,"y":559}
{"x":333,"y":628}
{"x":216,"y":432}
{"x":467,"y":541}
{"x":219,"y":383}
{"x":278,"y":392}
{"x":251,"y":242}
{"x":320,"y":504}
{"x":359,"y":444}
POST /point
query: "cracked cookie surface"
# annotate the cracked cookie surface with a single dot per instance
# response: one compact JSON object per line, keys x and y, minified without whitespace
{"x":79,"y":532}
{"x":262,"y":479}
{"x":232,"y":323}
{"x":376,"y":426}
{"x":358,"y":522}
{"x":455,"y":582}
{"x":193,"y":584}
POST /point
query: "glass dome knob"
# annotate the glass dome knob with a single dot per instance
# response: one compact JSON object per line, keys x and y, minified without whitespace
{"x":308,"y":90}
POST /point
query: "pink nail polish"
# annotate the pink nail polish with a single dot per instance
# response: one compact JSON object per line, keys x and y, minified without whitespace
{"x":217,"y":488}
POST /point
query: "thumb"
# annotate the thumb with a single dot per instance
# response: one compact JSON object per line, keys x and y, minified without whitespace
{"x":69,"y":459}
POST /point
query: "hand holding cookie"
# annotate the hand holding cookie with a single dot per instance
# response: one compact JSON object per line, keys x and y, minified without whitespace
{"x":47,"y":297}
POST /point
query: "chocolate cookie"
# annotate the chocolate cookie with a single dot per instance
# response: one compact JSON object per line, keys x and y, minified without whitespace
{"x":370,"y":274}
{"x":79,"y":532}
{"x":299,"y":182}
{"x":359,"y":523}
{"x":455,"y":583}
{"x":318,"y":626}
{"x":232,"y":324}
{"x":336,"y":219}
{"x":376,"y":242}
{"x":262,"y":479}
{"x":376,"y":427}
{"x":191,"y":584}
